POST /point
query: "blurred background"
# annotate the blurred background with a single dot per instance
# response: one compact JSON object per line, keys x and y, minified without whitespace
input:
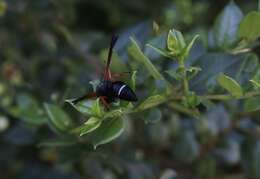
{"x":50,"y":50}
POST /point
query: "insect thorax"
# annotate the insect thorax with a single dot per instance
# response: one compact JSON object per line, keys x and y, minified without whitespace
{"x":105,"y":88}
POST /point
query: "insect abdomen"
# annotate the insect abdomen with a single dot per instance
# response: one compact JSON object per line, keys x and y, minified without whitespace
{"x":123,"y":91}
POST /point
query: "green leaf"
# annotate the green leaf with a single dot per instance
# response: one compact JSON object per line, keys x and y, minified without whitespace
{"x":178,"y":74}
{"x":138,"y":55}
{"x":160,"y":51}
{"x":189,"y":46}
{"x":58,"y":119}
{"x":92,"y":124}
{"x":175,"y":42}
{"x":88,"y":107}
{"x":252,"y":104}
{"x":109,"y":130}
{"x":230,"y":85}
{"x":28,"y":110}
{"x":256,"y":80}
{"x":192,"y":72}
{"x":225,"y":28}
{"x":151,"y":102}
{"x":114,"y":113}
{"x":249,"y":28}
{"x":133,"y":80}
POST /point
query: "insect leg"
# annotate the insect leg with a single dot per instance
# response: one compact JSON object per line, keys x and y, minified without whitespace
{"x":116,"y":75}
{"x":103,"y":100}
{"x":87,"y":96}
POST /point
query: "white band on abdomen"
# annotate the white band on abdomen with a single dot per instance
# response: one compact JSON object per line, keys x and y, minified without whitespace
{"x":121,"y":89}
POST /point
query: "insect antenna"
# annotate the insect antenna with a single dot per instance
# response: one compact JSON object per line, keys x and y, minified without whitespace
{"x":107,"y":75}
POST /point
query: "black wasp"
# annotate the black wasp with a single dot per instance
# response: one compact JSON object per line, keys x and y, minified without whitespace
{"x":109,"y":90}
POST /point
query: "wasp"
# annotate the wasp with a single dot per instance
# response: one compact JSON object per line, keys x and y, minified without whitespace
{"x":109,"y":90}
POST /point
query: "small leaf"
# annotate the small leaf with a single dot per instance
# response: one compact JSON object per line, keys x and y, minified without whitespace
{"x":151,"y":102}
{"x":230,"y":85}
{"x":58,"y":119}
{"x":249,"y":28}
{"x":256,"y":80}
{"x":252,"y":104}
{"x":109,"y":130}
{"x":175,"y":42}
{"x":138,"y":55}
{"x":89,"y":126}
{"x":255,"y":83}
{"x":96,"y":109}
{"x":88,"y":107}
{"x":192,"y":72}
{"x":225,"y":28}
{"x":189,"y":46}
{"x":160,"y":51}
{"x":133,"y":80}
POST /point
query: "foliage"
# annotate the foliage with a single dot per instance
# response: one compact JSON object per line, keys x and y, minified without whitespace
{"x":198,"y":90}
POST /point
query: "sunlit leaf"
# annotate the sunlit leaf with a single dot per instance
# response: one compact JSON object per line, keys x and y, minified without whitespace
{"x":175,"y":42}
{"x":58,"y":119}
{"x":114,"y":113}
{"x":249,"y":28}
{"x":88,"y":107}
{"x":109,"y":130}
{"x":230,"y":85}
{"x":89,"y":126}
{"x":133,"y":80}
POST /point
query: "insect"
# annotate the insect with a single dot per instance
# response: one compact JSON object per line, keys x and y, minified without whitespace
{"x":109,"y":90}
